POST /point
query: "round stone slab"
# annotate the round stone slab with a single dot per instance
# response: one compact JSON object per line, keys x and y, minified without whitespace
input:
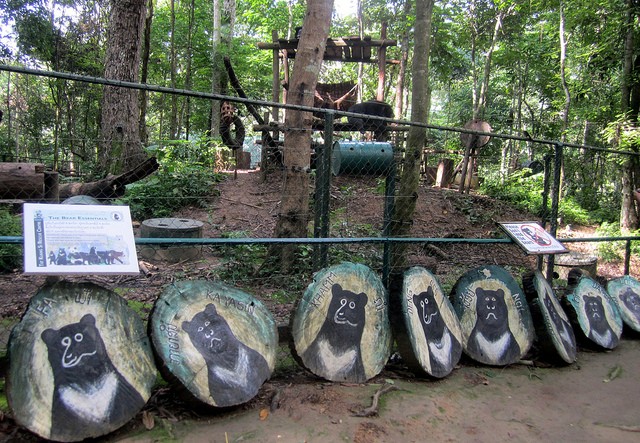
{"x":596,"y":312}
{"x":494,"y":316}
{"x":219,"y":342}
{"x":341,"y":326}
{"x":81,"y":365}
{"x":432,"y":327}
{"x":625,"y":292}
{"x":553,"y":328}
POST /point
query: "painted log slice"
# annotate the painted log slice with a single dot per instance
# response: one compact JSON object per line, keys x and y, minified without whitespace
{"x":625,"y":292}
{"x":432,"y":327}
{"x":341,"y":328}
{"x":219,"y":342}
{"x":494,"y":316}
{"x":554,"y":333}
{"x":596,"y":313}
{"x":81,"y":364}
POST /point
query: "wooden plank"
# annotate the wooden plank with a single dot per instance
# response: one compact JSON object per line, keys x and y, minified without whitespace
{"x":428,"y":335}
{"x":494,"y":316}
{"x":340,"y":327}
{"x":591,"y":307}
{"x":218,"y":342}
{"x":81,"y":364}
{"x":625,"y":292}
{"x":554,"y":334}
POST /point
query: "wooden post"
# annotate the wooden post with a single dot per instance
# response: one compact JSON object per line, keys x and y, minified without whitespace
{"x":382,"y":61}
{"x":445,"y":173}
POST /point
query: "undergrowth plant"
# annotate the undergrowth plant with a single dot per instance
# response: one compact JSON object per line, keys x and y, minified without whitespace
{"x":612,"y":251}
{"x":10,"y":255}
{"x":186,"y":177}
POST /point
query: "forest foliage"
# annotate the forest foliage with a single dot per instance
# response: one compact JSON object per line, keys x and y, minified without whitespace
{"x":495,"y":60}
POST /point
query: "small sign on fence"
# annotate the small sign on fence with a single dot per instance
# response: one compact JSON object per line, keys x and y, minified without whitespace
{"x":532,"y":238}
{"x":78,"y":239}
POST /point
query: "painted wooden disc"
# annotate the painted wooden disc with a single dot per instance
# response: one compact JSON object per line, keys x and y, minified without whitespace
{"x":433,"y":329}
{"x":81,"y":364}
{"x":596,"y":312}
{"x":494,"y":316}
{"x":341,"y":326}
{"x":553,"y":328}
{"x":625,"y":292}
{"x":219,"y":342}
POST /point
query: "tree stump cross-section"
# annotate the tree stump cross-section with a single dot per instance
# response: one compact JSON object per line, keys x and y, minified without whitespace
{"x":80,"y":363}
{"x":431,"y":336}
{"x":625,"y":292}
{"x":554,"y":333}
{"x":494,"y":316}
{"x":594,"y":311}
{"x":220,"y":343}
{"x":340,"y":327}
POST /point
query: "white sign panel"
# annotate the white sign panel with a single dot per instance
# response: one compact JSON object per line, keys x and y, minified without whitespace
{"x":78,"y":239}
{"x":532,"y":237}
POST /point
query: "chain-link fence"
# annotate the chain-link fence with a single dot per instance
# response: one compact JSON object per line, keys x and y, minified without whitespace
{"x":203,"y":210}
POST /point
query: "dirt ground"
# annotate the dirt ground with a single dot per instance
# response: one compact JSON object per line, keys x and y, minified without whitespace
{"x":527,"y":402}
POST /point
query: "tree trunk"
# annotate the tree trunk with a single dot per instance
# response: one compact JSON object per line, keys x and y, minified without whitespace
{"x":409,"y":180}
{"x":294,"y":211}
{"x":142,"y":127}
{"x":215,"y":67}
{"x":120,"y":146}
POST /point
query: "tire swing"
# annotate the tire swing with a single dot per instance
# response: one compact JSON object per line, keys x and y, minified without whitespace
{"x":232,"y":139}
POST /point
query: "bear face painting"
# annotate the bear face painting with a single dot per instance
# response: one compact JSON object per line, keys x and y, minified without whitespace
{"x":90,"y":396}
{"x":562,"y":327}
{"x":631,"y":301}
{"x":600,"y":331}
{"x":335,"y":352}
{"x":444,"y":348}
{"x":491,"y":341}
{"x":235,"y":371}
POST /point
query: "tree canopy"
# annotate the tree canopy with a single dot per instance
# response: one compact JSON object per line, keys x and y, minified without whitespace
{"x":506,"y":62}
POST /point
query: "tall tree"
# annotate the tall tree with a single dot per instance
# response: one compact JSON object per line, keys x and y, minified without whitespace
{"x":405,"y":202}
{"x":120,"y":147}
{"x":294,"y":210}
{"x":629,"y":219}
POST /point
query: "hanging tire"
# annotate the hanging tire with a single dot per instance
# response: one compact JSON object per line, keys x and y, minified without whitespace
{"x":233,"y":139}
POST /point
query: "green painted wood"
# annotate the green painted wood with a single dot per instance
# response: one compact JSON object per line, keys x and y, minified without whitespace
{"x":625,"y":292}
{"x":554,"y":334}
{"x":340,"y":327}
{"x":219,"y":342}
{"x":80,"y":363}
{"x":431,"y":332}
{"x":594,"y":311}
{"x":496,"y":324}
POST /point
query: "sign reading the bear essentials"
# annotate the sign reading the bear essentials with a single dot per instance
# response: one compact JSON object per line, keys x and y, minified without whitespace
{"x":341,"y":328}
{"x":81,"y":364}
{"x":625,"y":292}
{"x":496,"y":323}
{"x":432,"y":327}
{"x":78,"y":240}
{"x":532,"y":238}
